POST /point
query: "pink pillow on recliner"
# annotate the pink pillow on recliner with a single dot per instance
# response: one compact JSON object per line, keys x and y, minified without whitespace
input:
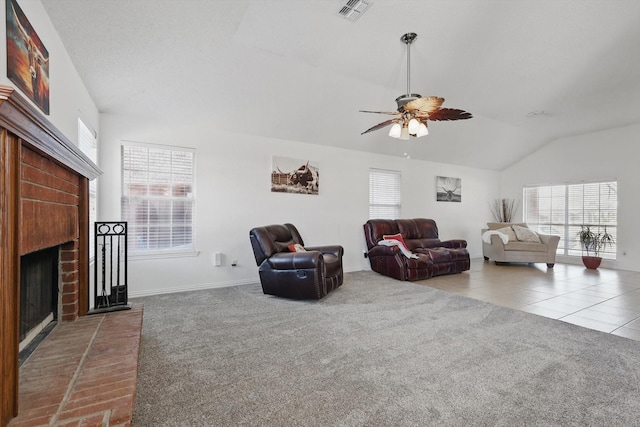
{"x":397,"y":237}
{"x":296,"y":247}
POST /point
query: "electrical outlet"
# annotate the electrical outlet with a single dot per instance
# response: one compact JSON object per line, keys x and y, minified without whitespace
{"x":234,"y":262}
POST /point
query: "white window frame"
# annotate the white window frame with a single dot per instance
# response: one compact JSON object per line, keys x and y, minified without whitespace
{"x":88,"y":144}
{"x":566,"y":209}
{"x":385,"y":194}
{"x":135,"y":233}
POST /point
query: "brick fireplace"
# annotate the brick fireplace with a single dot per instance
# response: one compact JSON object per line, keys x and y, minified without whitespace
{"x":43,"y":204}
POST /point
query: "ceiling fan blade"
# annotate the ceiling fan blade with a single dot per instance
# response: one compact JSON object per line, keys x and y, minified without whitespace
{"x":393,"y":113}
{"x":381,"y":125}
{"x":449,"y":114}
{"x":425,"y":104}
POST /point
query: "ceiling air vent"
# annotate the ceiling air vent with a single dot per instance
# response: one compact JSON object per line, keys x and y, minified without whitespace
{"x":354,"y":9}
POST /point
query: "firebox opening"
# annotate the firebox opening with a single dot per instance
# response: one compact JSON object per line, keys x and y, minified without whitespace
{"x":38,"y":296}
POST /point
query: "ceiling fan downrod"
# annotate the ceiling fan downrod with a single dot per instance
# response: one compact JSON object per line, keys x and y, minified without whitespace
{"x":402,"y":100}
{"x":408,"y":39}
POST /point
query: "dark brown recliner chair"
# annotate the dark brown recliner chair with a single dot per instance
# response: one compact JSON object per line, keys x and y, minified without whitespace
{"x":301,"y":275}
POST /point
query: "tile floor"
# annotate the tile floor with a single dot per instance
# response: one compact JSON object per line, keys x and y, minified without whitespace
{"x":605,"y":300}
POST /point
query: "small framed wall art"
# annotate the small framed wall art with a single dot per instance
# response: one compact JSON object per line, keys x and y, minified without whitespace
{"x":294,"y":176}
{"x":448,"y":189}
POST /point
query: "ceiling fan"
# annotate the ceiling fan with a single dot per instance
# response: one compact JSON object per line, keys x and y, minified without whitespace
{"x":413,"y":109}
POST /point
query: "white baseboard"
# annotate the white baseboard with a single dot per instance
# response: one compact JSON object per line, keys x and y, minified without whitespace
{"x":201,"y":286}
{"x":197,"y":287}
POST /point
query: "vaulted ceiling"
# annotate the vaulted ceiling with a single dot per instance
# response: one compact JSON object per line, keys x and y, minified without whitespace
{"x":530,"y":71}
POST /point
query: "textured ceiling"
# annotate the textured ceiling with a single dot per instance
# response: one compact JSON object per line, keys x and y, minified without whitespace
{"x":296,"y":70}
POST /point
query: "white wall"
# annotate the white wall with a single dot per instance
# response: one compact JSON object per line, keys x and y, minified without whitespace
{"x":233,"y":195}
{"x":69,"y":98}
{"x":598,"y":156}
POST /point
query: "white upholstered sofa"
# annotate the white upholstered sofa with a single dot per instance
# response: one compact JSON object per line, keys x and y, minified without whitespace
{"x":515,"y":242}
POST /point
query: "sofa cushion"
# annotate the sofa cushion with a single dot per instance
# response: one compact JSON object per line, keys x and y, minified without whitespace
{"x":415,"y":244}
{"x":509,"y":232}
{"x":418,"y":228}
{"x":441,"y":254}
{"x":438,"y":255}
{"x":422,"y":261}
{"x":524,"y":234}
{"x":517,"y":245}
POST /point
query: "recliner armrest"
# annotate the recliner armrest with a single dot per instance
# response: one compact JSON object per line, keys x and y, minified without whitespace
{"x":335,"y":250}
{"x":454,"y":243}
{"x":380,"y":250}
{"x":295,"y":260}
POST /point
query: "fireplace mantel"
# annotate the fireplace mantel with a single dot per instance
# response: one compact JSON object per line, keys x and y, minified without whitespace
{"x":20,"y":117}
{"x":44,"y":202}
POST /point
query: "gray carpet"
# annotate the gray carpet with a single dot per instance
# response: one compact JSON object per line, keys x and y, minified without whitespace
{"x":376,"y":352}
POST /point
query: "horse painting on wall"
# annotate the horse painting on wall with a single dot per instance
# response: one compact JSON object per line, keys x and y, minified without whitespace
{"x":27,"y":58}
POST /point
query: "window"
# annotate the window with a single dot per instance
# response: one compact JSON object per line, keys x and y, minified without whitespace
{"x":563,"y":209}
{"x":384,"y":194}
{"x":158,"y":197}
{"x":88,"y":143}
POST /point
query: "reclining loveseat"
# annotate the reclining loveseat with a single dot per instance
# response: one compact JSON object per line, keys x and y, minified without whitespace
{"x":423,"y":255}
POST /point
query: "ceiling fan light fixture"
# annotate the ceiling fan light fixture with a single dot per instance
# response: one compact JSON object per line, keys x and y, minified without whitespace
{"x":422,"y":130}
{"x":414,"y":124}
{"x":405,"y":133}
{"x":395,"y":131}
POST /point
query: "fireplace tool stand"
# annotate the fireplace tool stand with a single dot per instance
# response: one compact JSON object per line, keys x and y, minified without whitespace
{"x":110,"y":272}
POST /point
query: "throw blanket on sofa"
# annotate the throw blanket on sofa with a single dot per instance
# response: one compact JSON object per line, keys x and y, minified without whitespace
{"x":392,"y":242}
{"x":486,"y":236}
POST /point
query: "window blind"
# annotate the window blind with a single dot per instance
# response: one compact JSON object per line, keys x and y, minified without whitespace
{"x":563,"y":209}
{"x":384,"y":194}
{"x":545,"y":210}
{"x":595,"y":205}
{"x":158,"y":197}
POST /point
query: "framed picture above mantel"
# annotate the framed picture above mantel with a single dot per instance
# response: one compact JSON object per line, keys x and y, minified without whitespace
{"x":27,"y":58}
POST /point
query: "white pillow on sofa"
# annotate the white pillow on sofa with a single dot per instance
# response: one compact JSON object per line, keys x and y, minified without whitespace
{"x":509,"y":232}
{"x":526,"y":235}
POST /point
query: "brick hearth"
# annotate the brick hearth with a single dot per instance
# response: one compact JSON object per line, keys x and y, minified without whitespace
{"x":84,"y":373}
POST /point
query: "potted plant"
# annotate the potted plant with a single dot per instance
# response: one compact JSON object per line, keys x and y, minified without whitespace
{"x":593,"y":243}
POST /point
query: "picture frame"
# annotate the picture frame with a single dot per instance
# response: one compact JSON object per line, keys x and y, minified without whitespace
{"x":294,"y":176}
{"x":448,"y":189}
{"x":27,"y":57}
